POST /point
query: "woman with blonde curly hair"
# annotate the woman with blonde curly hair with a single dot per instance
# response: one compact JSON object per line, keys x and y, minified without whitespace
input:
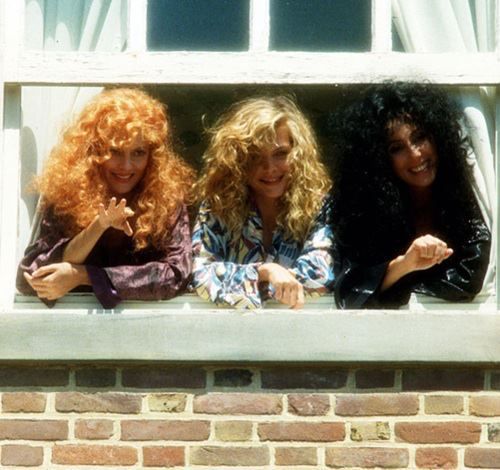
{"x":113,"y":202}
{"x":259,"y":233}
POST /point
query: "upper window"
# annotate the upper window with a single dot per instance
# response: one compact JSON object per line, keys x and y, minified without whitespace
{"x":320,"y":25}
{"x":205,"y":25}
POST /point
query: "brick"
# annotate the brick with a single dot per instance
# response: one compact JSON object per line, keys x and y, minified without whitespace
{"x":302,"y":431}
{"x":306,"y":378}
{"x":296,"y":456}
{"x":23,"y":402}
{"x":233,"y":378}
{"x":93,"y":377}
{"x":22,"y":455}
{"x":444,"y":404}
{"x":484,"y":406}
{"x":237,"y":456}
{"x":443,"y":379}
{"x":164,"y":377}
{"x":308,"y":405}
{"x":482,"y":458}
{"x":238,"y":404}
{"x":367,"y":457}
{"x":33,"y":430}
{"x":167,"y":402}
{"x":233,"y":430}
{"x":93,"y":428}
{"x":374,"y":378}
{"x":439,"y":433}
{"x":174,"y":430}
{"x":494,"y":432}
{"x":76,"y":454}
{"x":163,"y":456}
{"x":377,"y":404}
{"x":436,"y":457}
{"x":125,"y":403}
{"x":370,"y":431}
{"x":33,"y":377}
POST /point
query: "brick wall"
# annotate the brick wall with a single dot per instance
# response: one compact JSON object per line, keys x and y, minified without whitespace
{"x":265,"y":417}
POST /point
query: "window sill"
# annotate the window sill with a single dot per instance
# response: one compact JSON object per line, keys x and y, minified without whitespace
{"x":185,"y":330}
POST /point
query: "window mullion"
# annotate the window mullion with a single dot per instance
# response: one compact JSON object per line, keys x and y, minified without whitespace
{"x":9,"y":196}
{"x":259,"y":25}
{"x":381,"y":26}
{"x":137,"y":25}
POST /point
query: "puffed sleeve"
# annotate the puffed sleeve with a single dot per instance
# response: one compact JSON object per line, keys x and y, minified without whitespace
{"x":215,"y":278}
{"x":314,"y":266}
{"x":48,"y":248}
{"x":162,"y":278}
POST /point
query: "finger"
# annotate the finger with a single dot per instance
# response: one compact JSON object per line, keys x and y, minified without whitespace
{"x":288,"y":295}
{"x":28,"y":277}
{"x":128,"y":229}
{"x":300,"y":298}
{"x":44,"y":271}
{"x":278,"y":292}
{"x":123,"y":203}
{"x":112,"y":203}
{"x":128,"y":212}
{"x":448,"y":253}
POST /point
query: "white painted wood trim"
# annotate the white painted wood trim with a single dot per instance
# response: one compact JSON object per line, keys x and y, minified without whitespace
{"x":258,"y":337}
{"x":137,"y":25}
{"x":9,"y":193}
{"x":497,"y":28}
{"x":260,"y":25}
{"x":497,"y":205}
{"x":95,"y":68}
{"x":381,"y":26}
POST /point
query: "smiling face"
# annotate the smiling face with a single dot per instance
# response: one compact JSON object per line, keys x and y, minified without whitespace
{"x":269,"y":170}
{"x":126,"y":167}
{"x":413,"y":155}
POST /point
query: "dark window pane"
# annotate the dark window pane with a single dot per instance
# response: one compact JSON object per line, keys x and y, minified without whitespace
{"x":204,"y":25}
{"x":321,"y":25}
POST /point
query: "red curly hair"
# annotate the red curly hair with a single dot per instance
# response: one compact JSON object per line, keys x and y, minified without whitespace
{"x":71,"y":182}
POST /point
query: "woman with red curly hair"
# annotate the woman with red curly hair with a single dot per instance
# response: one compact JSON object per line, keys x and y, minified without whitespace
{"x":113,"y":197}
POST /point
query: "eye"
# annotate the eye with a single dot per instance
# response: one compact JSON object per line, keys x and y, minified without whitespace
{"x":140,"y":152}
{"x":281,"y":154}
{"x":419,"y":137}
{"x":113,"y":151}
{"x":394,"y":149}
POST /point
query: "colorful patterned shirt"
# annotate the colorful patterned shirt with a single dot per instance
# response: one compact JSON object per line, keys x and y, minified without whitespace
{"x":225,"y":265}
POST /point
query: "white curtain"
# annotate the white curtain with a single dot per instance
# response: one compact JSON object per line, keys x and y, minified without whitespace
{"x":60,"y":25}
{"x":441,"y":26}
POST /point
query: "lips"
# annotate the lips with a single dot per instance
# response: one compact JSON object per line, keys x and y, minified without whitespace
{"x":422,"y":167}
{"x":271,"y":180}
{"x":123,"y":178}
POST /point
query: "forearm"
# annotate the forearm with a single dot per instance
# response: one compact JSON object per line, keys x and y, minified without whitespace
{"x":396,"y":269}
{"x":81,"y":245}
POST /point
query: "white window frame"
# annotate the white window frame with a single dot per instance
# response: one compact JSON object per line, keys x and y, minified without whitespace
{"x":323,"y":333}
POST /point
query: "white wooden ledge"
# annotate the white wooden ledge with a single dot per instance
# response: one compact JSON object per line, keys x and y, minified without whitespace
{"x":190,"y":334}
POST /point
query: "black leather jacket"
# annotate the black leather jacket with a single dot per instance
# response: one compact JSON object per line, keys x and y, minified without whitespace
{"x":457,"y":279}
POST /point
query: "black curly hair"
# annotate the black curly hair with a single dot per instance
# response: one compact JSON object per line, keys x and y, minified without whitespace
{"x":371,"y":209}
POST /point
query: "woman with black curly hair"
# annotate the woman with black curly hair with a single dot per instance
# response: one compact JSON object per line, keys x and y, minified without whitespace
{"x":405,"y":215}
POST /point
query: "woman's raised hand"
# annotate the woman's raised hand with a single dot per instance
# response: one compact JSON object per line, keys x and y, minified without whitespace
{"x":425,"y":252}
{"x":288,"y":290}
{"x":116,"y":215}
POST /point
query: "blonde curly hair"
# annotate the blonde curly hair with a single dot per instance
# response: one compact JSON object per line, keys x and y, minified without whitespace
{"x":71,"y":183}
{"x":251,"y":124}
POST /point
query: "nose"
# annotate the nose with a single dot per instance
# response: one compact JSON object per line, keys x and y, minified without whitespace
{"x":124,"y":162}
{"x":415,"y":149}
